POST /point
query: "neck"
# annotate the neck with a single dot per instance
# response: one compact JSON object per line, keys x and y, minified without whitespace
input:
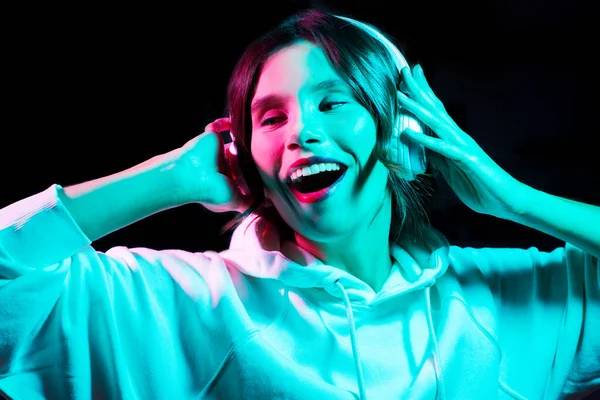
{"x":364,"y":252}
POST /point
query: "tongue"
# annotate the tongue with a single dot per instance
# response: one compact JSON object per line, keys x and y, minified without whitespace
{"x":314,"y":183}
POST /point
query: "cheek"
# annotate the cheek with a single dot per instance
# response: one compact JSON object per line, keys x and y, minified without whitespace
{"x":365,"y":127}
{"x":362,"y":136}
{"x":263,"y":153}
{"x":258,"y":152}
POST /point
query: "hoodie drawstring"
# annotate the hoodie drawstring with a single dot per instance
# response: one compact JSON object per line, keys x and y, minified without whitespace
{"x":437,"y":363}
{"x":439,"y":373}
{"x":357,"y":363}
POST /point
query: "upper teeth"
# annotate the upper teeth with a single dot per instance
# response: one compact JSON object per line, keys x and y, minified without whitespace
{"x":313,"y":169}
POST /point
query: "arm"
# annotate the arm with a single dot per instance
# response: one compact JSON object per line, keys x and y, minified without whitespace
{"x":65,"y":307}
{"x":483,"y":185}
{"x":107,"y":204}
{"x":574,"y":222}
{"x":545,"y":307}
{"x":547,"y":304}
{"x":195,"y":172}
{"x":71,"y":318}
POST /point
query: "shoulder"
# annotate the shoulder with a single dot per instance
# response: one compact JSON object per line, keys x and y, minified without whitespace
{"x":498,"y":261}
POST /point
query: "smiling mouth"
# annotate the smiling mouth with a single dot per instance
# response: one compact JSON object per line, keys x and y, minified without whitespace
{"x":317,"y":182}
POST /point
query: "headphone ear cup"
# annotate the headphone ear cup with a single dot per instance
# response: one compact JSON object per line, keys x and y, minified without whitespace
{"x":409,"y":155}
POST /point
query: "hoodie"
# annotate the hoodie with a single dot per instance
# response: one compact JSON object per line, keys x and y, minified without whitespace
{"x":265,"y":319}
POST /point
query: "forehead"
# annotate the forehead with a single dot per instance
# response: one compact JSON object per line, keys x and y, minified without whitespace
{"x":294,"y":68}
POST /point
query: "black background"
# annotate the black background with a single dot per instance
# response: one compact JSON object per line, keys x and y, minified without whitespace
{"x":91,"y":91}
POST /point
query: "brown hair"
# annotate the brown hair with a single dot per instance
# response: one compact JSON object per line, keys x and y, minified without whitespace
{"x":368,"y":68}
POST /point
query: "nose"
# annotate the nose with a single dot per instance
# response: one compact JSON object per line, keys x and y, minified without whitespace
{"x":304,"y":131}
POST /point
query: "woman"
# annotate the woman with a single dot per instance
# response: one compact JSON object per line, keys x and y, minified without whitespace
{"x":336,"y":292}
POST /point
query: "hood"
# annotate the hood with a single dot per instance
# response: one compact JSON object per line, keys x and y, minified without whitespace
{"x":256,"y":250}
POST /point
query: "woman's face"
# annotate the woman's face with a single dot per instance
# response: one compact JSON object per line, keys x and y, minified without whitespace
{"x":302,"y":108}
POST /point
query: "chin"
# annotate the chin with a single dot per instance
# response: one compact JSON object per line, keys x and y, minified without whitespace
{"x":327,"y":229}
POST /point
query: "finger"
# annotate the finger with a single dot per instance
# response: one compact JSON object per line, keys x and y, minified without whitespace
{"x":419,"y":75}
{"x":218,"y":125}
{"x":414,"y":89}
{"x":443,"y":128}
{"x":434,"y":144}
{"x":434,"y":101}
{"x":422,"y":113}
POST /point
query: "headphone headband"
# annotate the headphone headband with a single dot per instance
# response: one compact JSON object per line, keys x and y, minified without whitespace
{"x":411,"y":156}
{"x":394,"y":51}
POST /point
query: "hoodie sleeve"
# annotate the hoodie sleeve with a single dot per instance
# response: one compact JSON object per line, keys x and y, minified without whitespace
{"x":548,"y":318}
{"x":75,"y":322}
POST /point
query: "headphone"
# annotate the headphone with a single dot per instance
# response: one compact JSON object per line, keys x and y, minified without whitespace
{"x":409,"y":155}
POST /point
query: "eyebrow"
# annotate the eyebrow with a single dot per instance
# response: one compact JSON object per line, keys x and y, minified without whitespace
{"x":329,"y":84}
{"x":272,"y":100}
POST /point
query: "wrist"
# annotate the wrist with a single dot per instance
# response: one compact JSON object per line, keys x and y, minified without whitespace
{"x":168,"y":172}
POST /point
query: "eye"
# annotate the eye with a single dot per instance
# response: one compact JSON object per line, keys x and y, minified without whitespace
{"x":270,"y":121}
{"x":330,"y":105}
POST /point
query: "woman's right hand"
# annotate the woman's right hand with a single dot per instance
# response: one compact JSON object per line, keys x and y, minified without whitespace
{"x":204,"y":175}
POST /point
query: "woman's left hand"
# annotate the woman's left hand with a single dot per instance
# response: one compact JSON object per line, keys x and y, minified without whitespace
{"x":475,"y":178}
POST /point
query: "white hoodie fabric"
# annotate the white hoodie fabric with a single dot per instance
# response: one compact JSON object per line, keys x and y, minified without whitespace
{"x":264,"y":319}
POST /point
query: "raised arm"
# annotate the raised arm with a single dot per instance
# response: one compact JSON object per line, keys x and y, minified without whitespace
{"x":485,"y":187}
{"x":193,"y":173}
